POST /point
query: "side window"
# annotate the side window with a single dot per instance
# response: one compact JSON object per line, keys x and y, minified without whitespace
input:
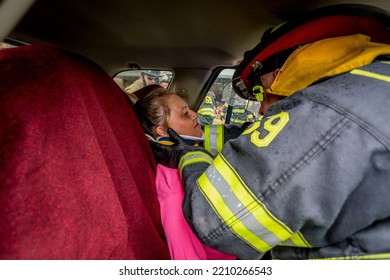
{"x":222,"y":105}
{"x":4,"y":45}
{"x":133,"y":80}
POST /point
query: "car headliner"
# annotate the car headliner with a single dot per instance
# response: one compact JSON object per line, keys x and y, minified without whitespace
{"x":193,"y":34}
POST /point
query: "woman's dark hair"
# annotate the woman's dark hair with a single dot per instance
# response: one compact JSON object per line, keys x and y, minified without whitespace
{"x":152,"y":110}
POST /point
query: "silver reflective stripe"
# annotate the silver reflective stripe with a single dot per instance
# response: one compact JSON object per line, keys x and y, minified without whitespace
{"x":206,"y":143}
{"x":214,"y":138}
{"x":241,"y":211}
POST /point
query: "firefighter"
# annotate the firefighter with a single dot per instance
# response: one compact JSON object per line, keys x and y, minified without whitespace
{"x":240,"y":112}
{"x":206,"y":112}
{"x":147,"y":77}
{"x":311,"y":179}
{"x":164,"y":79}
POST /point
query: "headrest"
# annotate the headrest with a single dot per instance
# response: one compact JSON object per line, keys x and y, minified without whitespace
{"x":322,"y":23}
{"x":77,"y":176}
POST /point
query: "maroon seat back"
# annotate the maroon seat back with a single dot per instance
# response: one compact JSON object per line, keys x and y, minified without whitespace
{"x":77,"y":176}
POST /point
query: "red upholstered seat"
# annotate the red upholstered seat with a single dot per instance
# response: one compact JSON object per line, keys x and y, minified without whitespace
{"x":76,"y":172}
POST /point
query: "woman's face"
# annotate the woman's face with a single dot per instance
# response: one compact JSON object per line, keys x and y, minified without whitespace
{"x":182,"y":119}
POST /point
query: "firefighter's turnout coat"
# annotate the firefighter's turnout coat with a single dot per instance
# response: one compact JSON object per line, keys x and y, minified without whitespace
{"x":312,"y":178}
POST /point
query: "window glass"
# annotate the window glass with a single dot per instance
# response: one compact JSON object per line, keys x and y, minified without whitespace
{"x":133,"y":80}
{"x":4,"y":45}
{"x":222,"y":105}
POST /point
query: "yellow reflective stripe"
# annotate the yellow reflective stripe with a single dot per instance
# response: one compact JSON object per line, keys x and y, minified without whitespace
{"x":194,"y":157}
{"x":253,"y":206}
{"x":374,"y":257}
{"x":223,"y":211}
{"x":206,"y":112}
{"x":194,"y":160}
{"x":362,"y":257}
{"x":237,"y":121}
{"x":371,"y":75}
{"x":250,"y":202}
{"x":299,"y":240}
{"x":206,"y":143}
{"x":206,"y":109}
{"x":219,"y":137}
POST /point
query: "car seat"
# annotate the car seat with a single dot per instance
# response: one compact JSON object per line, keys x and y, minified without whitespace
{"x":77,"y":175}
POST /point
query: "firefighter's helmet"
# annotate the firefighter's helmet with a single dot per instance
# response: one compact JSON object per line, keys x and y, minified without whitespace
{"x":153,"y":75}
{"x":277,"y":43}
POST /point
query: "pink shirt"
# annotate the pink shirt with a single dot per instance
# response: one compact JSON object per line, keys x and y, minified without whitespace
{"x":182,"y":242}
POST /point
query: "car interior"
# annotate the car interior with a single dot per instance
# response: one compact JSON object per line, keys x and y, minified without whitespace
{"x":77,"y":173}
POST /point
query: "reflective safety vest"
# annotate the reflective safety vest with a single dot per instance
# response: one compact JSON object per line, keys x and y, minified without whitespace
{"x":308,"y":181}
{"x":206,"y":111}
{"x":240,"y":114}
{"x":217,"y":135}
